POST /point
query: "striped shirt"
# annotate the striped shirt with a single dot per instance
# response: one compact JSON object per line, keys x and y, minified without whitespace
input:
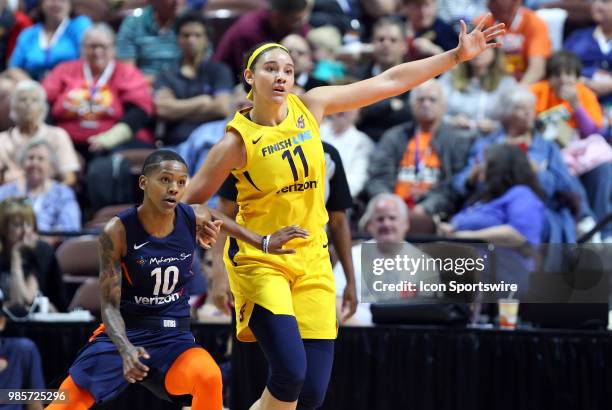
{"x":140,"y":39}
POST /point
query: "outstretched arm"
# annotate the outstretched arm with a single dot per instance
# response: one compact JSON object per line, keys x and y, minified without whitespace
{"x":210,"y":221}
{"x":111,"y":247}
{"x":323,"y":101}
{"x":227,"y":154}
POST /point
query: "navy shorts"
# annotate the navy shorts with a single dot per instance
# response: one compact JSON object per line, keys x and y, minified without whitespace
{"x":99,"y":369}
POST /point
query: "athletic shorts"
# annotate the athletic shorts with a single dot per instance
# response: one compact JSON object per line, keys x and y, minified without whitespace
{"x":300,"y":285}
{"x":98,"y":367}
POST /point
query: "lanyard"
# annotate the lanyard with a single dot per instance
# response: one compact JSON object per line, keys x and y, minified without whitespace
{"x":516,"y":22}
{"x":417,"y":154}
{"x":46,"y":44}
{"x":94,"y":86}
{"x":605,"y":45}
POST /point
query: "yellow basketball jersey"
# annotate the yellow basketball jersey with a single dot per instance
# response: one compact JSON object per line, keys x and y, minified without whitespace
{"x":283,"y":181}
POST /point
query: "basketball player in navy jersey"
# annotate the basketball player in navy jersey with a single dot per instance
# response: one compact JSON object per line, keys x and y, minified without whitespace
{"x":146,"y":254}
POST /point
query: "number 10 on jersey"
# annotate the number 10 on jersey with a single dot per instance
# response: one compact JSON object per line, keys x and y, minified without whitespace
{"x":166,"y":288}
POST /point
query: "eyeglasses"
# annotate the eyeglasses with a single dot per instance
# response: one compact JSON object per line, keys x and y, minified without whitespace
{"x":94,"y":46}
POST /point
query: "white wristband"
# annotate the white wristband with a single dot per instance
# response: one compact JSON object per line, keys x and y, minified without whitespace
{"x":265,"y":243}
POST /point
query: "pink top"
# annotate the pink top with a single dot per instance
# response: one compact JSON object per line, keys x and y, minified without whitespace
{"x":85,"y":109}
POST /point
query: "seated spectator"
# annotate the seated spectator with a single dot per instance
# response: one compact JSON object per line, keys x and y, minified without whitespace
{"x":20,"y":363}
{"x":353,"y":18}
{"x":345,"y":16}
{"x":326,"y":42}
{"x":8,"y":82}
{"x":197,"y":90}
{"x":386,"y":221}
{"x":273,"y":23}
{"x":301,"y":54}
{"x":55,"y":39}
{"x":13,"y":22}
{"x":417,"y":160}
{"x":54,"y":203}
{"x":474,"y":90}
{"x":146,"y":38}
{"x":202,"y":139}
{"x":428,"y":35}
{"x":526,"y":43}
{"x":354,"y":147}
{"x":453,"y":11}
{"x":28,"y":265}
{"x":578,"y":12}
{"x":102,"y":103}
{"x":561,"y":98}
{"x":518,"y":128}
{"x":28,"y":111}
{"x":508,"y":212}
{"x":388,"y":39}
{"x":592,"y":46}
{"x":568,"y":109}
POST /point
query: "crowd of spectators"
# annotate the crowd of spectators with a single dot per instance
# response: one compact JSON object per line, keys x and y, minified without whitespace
{"x":512,"y":146}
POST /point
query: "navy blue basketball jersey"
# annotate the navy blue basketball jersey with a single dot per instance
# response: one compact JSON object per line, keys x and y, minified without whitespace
{"x":157,"y":270}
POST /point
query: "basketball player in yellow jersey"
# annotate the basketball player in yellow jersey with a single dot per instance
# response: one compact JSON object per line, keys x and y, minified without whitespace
{"x":286,"y":302}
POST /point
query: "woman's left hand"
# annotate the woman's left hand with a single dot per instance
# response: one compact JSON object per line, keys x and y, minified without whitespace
{"x":207,"y":233}
{"x":478,"y":40}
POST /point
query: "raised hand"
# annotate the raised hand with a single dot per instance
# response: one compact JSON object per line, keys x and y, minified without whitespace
{"x":282,"y":236}
{"x":478,"y":40}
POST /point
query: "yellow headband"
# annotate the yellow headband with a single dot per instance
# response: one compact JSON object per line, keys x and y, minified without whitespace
{"x":256,"y":53}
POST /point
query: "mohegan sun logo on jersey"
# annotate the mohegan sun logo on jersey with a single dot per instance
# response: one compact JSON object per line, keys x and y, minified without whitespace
{"x":141,"y":261}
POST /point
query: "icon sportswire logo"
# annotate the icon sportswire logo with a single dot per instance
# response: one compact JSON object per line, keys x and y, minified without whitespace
{"x":136,"y":247}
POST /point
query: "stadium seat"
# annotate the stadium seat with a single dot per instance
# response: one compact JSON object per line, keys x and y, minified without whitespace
{"x":136,"y":158}
{"x":103,"y":215}
{"x":87,"y":297}
{"x":78,"y":258}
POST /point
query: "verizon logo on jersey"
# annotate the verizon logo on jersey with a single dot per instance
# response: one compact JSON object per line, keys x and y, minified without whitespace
{"x":157,"y":300}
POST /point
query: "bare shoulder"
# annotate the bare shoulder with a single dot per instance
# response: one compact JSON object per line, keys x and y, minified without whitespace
{"x":233,"y":150}
{"x":112,"y":238}
{"x":232,"y":138}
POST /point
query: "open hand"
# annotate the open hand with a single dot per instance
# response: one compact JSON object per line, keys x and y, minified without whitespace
{"x":284,"y":235}
{"x":478,"y":40}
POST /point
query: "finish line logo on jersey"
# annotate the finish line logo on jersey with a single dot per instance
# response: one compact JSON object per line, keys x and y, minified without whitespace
{"x":286,"y":143}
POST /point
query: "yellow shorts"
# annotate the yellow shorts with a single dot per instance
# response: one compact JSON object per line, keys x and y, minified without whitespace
{"x":300,"y":285}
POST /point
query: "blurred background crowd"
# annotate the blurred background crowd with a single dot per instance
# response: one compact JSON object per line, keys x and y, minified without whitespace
{"x":510,"y":148}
